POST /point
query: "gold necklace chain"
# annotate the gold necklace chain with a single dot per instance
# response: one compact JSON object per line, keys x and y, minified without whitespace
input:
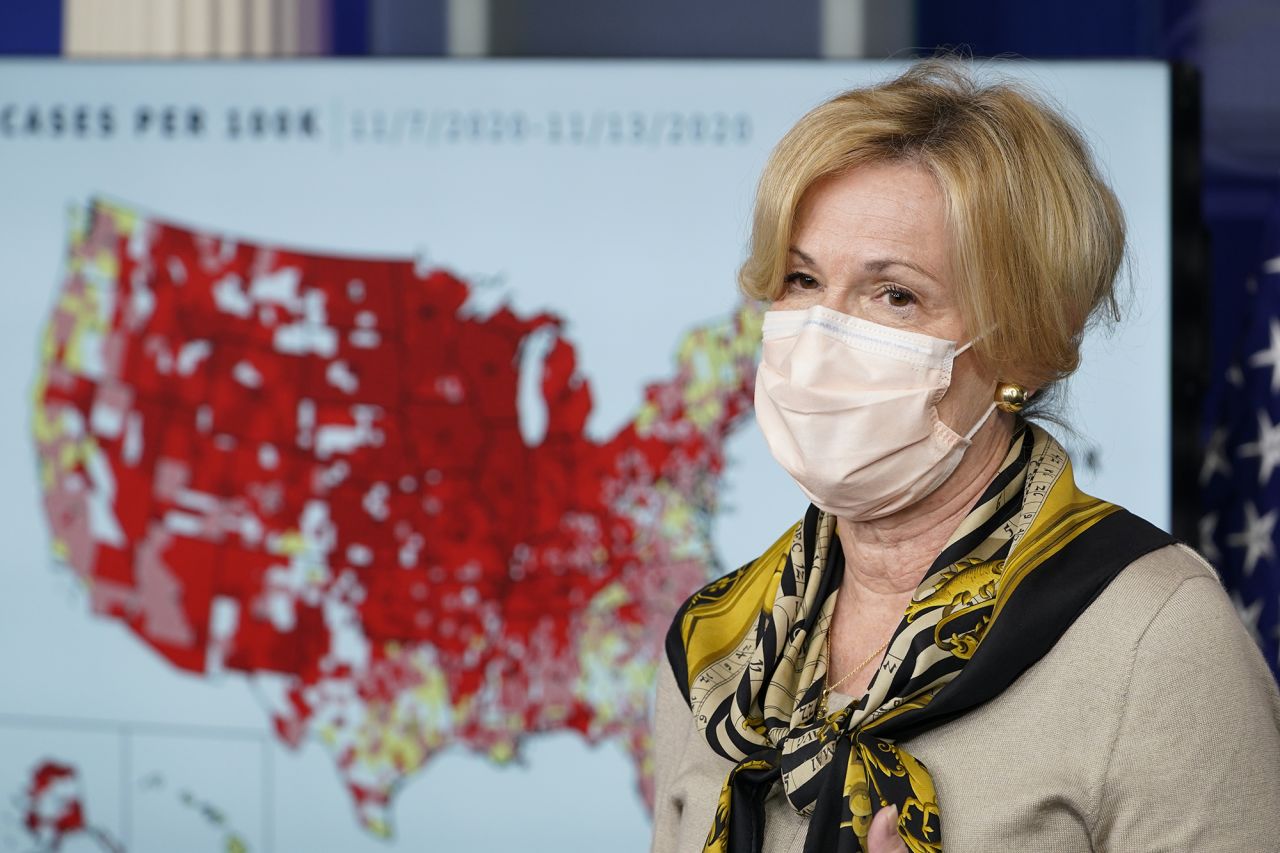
{"x":829,"y":686}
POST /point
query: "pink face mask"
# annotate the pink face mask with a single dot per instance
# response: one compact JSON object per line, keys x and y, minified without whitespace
{"x":849,"y":409}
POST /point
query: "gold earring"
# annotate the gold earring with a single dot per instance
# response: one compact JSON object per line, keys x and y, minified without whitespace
{"x":1011,"y":397}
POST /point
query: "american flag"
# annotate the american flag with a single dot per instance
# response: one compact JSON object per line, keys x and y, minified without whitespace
{"x":1240,"y":473}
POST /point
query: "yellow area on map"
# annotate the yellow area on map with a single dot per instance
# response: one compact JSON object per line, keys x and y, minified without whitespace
{"x":287,"y":544}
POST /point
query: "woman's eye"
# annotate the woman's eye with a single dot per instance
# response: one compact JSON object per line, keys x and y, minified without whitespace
{"x":897,"y":297}
{"x":800,"y":281}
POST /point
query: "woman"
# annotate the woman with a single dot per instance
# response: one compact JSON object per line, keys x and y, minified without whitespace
{"x":1054,"y":673}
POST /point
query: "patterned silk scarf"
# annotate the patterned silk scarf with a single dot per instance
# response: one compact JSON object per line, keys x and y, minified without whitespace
{"x":749,"y":651}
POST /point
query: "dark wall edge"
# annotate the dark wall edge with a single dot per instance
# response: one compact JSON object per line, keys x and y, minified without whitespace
{"x":1189,"y":332}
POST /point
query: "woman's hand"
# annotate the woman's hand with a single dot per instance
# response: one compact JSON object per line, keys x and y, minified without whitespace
{"x":883,"y":836}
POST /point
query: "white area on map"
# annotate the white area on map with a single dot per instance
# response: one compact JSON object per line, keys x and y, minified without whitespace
{"x":347,"y":641}
{"x":334,"y":439}
{"x":279,"y":604}
{"x":311,"y":334}
{"x":268,"y":456}
{"x":375,"y":501}
{"x":247,"y":375}
{"x":102,"y":519}
{"x":251,"y":529}
{"x":409,"y":549}
{"x":365,"y":338}
{"x":106,"y":419}
{"x":182,"y":523}
{"x":531,"y":405}
{"x":318,"y":533}
{"x":104,"y":300}
{"x":339,"y":375}
{"x":139,"y":245}
{"x":449,"y":386}
{"x":229,"y":296}
{"x":305,"y":338}
{"x":89,"y":347}
{"x":132,"y":450}
{"x":204,"y":417}
{"x":279,"y":286}
{"x":177,"y":270}
{"x":307,"y":568}
{"x":196,"y":500}
{"x":330,"y":476}
{"x":141,"y":302}
{"x":224,"y":621}
{"x":306,"y":419}
{"x":192,"y":354}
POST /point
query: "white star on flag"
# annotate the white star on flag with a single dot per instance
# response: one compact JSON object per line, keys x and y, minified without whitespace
{"x":1270,"y":357}
{"x":1249,"y":614}
{"x":1271,"y":266}
{"x":1267,"y":446}
{"x":1208,"y":550}
{"x":1215,"y":457}
{"x":1255,"y":538}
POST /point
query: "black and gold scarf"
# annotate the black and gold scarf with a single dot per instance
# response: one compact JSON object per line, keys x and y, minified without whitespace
{"x":749,"y":651}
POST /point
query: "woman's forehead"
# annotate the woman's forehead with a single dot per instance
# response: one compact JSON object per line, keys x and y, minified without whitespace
{"x":873,"y":214}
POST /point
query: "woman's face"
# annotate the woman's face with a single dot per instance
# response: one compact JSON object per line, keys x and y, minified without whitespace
{"x":872,"y":243}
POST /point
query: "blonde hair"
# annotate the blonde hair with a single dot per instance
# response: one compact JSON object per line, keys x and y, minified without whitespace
{"x":1037,"y":235}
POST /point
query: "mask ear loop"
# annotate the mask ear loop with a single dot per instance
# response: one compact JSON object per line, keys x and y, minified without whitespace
{"x":955,"y":353}
{"x":985,"y":415}
{"x":982,"y":420}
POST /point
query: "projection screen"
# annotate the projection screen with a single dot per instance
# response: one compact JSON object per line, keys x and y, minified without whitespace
{"x":369,"y":420}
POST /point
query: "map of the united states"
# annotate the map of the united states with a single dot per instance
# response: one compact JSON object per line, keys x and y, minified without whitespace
{"x":319,"y":473}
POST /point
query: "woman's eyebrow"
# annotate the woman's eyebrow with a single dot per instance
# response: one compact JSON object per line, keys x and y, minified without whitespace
{"x":804,"y":257}
{"x":881,"y":264}
{"x":874,"y":265}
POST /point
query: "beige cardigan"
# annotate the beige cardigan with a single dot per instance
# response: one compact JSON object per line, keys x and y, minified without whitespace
{"x":1153,"y":724}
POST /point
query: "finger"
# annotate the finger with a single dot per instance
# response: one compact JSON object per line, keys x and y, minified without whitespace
{"x":883,"y":836}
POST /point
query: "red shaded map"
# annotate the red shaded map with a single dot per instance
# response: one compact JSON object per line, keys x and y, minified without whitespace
{"x":320,"y":472}
{"x":53,"y":811}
